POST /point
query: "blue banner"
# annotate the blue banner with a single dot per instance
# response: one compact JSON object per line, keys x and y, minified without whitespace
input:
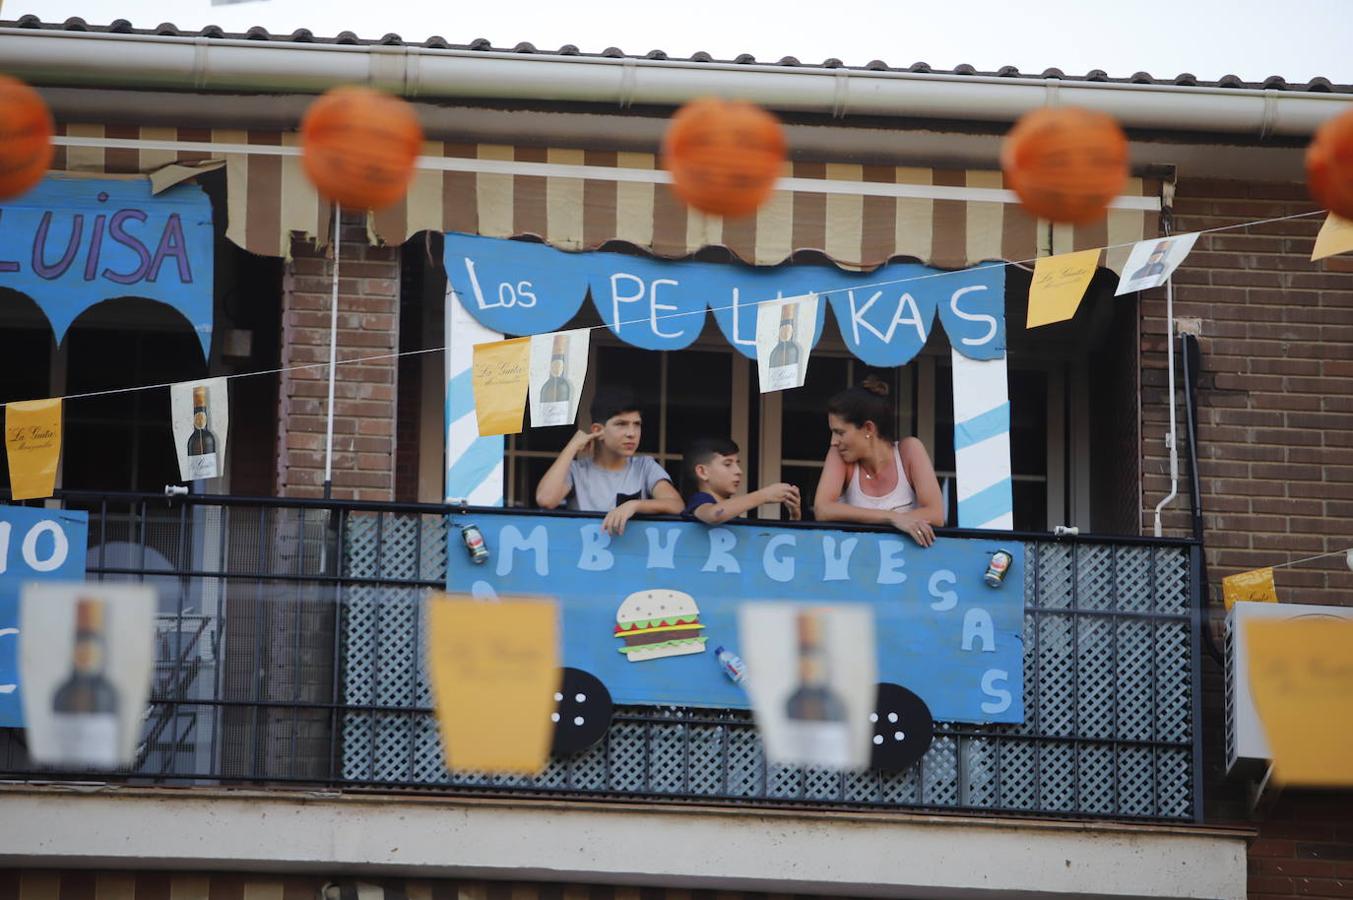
{"x":972,"y":311}
{"x":73,"y":242}
{"x":35,"y":545}
{"x":885,"y":316}
{"x":941,"y":631}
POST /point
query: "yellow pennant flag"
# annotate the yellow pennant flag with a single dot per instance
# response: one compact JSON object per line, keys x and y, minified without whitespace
{"x":494,"y":667}
{"x":1301,"y":676}
{"x":1256,"y":586}
{"x":501,"y":373}
{"x":1335,"y":237}
{"x":33,"y":442}
{"x":1059,"y":284}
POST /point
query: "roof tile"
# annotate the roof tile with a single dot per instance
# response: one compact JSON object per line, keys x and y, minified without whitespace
{"x":436,"y":42}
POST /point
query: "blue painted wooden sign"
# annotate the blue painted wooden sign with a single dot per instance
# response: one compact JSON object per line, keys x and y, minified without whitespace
{"x":884,"y":316}
{"x":73,"y":242}
{"x":941,"y":631}
{"x":35,"y":544}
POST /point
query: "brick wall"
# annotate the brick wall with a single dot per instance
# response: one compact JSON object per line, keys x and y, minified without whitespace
{"x":1305,"y":848}
{"x":364,"y":393}
{"x":1275,"y":448}
{"x":1276,"y":394}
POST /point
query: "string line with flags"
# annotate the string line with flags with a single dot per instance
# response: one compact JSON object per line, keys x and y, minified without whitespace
{"x":84,"y":395}
{"x":1150,"y":263}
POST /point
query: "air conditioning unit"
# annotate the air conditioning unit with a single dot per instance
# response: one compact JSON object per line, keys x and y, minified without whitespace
{"x":1247,"y":751}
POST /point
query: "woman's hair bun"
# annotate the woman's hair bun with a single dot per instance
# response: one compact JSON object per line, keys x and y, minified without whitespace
{"x":875,"y":385}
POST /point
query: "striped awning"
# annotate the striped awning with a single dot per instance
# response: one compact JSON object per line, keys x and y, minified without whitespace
{"x":268,"y":197}
{"x":860,"y":216}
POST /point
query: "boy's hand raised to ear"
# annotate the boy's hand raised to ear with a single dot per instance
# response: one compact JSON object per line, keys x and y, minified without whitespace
{"x":583,"y":438}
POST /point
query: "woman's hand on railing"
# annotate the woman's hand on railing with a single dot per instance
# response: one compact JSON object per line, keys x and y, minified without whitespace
{"x":914,"y":524}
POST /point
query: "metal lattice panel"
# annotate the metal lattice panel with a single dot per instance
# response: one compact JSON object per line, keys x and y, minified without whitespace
{"x":1108,"y":699}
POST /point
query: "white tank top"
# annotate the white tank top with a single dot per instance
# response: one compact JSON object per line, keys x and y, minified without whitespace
{"x":900,"y":499}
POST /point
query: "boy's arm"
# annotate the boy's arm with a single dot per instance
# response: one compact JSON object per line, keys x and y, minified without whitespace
{"x":554,"y":485}
{"x":721,"y":511}
{"x":666,"y":501}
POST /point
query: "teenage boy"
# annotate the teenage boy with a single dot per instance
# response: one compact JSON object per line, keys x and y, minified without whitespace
{"x":712,"y":465}
{"x":611,"y":478}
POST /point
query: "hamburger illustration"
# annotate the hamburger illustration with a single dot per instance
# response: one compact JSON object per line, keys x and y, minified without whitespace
{"x":659,"y":623}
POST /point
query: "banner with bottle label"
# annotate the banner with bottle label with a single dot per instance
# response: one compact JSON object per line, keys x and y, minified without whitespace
{"x":501,"y":373}
{"x":884,"y":316}
{"x":35,"y":545}
{"x":815,"y":681}
{"x":33,"y":446}
{"x":1151,"y":263}
{"x":786,"y":331}
{"x":72,"y":242}
{"x":644,"y":611}
{"x":200,"y":413}
{"x":558,"y":371}
{"x":494,"y":669}
{"x":86,"y":656}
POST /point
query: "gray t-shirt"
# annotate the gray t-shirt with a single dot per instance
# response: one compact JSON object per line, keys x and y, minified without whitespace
{"x":595,"y":489}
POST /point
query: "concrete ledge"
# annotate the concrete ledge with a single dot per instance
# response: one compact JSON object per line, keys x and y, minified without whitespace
{"x":865,"y":854}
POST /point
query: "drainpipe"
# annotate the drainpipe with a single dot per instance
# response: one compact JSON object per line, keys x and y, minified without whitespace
{"x":1172,"y":438}
{"x":55,"y":58}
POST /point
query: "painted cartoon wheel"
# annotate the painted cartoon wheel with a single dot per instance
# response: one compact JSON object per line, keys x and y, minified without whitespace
{"x":582,"y":712}
{"x":903,"y":728}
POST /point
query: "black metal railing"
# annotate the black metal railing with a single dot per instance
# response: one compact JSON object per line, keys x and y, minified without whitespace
{"x":289,"y":652}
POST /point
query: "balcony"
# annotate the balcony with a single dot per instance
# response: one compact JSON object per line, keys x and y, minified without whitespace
{"x":289,"y":655}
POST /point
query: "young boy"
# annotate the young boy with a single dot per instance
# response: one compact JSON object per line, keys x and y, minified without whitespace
{"x":712,"y":464}
{"x":612,"y":478}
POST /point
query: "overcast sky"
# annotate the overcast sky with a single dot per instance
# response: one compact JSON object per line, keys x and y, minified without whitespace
{"x":1297,"y":39}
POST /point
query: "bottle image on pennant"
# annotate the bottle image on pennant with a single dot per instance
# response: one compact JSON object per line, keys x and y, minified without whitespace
{"x":202,"y":461}
{"x":85,"y":725}
{"x":817,"y":722}
{"x":785,"y":355}
{"x":556,"y":393}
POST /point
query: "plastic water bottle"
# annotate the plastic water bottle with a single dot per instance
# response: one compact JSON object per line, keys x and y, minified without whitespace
{"x":732,"y":664}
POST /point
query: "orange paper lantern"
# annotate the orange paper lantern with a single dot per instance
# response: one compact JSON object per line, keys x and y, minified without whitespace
{"x":1065,"y":164}
{"x":1329,"y":165}
{"x":25,"y":137}
{"x":359,"y":145}
{"x":724,"y":156}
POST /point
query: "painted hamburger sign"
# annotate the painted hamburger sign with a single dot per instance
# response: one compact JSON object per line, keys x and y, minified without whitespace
{"x":658,"y":592}
{"x":659,"y":623}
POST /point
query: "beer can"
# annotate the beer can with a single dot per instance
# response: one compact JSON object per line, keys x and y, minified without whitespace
{"x":996,"y":569}
{"x":474,"y":543}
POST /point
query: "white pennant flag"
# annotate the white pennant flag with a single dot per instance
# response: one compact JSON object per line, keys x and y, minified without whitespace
{"x":558,"y":370}
{"x":812,"y":679}
{"x":785,"y":331}
{"x":200,"y":413}
{"x":86,"y":654}
{"x":1152,"y":262}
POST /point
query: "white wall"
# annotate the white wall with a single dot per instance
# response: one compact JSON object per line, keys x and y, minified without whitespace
{"x":864,"y":854}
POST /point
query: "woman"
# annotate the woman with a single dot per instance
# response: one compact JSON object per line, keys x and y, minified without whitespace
{"x":871,"y":477}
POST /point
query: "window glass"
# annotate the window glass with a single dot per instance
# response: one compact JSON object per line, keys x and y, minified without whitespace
{"x":697,"y":401}
{"x":699,"y":397}
{"x":124,"y":441}
{"x":803,"y":433}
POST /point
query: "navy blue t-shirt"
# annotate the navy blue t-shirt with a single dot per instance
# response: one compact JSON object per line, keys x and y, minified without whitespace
{"x":699,"y":500}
